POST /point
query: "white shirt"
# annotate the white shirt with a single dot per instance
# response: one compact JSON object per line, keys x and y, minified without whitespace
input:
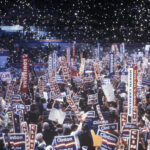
{"x":75,"y":134}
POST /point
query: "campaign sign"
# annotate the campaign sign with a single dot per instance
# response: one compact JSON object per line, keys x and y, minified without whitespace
{"x":33,"y":131}
{"x":106,"y":127}
{"x":134,"y":139}
{"x":22,"y":107}
{"x":92,"y":99}
{"x":123,"y":119}
{"x":126,"y":129}
{"x":109,"y":141}
{"x":17,"y":141}
{"x":5,"y":76}
{"x":65,"y":143}
{"x":94,"y":122}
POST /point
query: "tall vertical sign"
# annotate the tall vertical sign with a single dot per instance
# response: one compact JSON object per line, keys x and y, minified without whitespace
{"x":54,"y":61}
{"x":50,"y":65}
{"x":68,"y":56}
{"x":130,"y":91}
{"x":73,"y":51}
{"x":25,"y":73}
{"x":111,"y":66}
{"x":122,"y":48}
{"x":98,"y":51}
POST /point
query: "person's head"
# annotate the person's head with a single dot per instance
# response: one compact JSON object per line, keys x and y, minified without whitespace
{"x":59,"y":129}
{"x":39,"y":137}
{"x":74,"y":127}
{"x":45,"y":125}
{"x":67,"y":131}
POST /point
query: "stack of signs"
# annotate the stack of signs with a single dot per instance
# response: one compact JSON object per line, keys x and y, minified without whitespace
{"x":73,"y":106}
{"x":97,"y":72}
{"x":16,"y":140}
{"x":65,"y":143}
{"x":54,"y":88}
{"x":9,"y":92}
{"x":93,"y":99}
{"x":81,"y":71}
{"x":24,"y":129}
{"x":25,"y":73}
{"x":109,"y":141}
{"x":126,"y":130}
{"x":64,"y":68}
{"x":33,"y":131}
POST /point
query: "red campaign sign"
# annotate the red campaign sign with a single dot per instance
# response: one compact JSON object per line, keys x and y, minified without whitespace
{"x":25,"y":73}
{"x":123,"y":119}
{"x":24,"y":129}
{"x":135,"y":114}
{"x":33,"y":131}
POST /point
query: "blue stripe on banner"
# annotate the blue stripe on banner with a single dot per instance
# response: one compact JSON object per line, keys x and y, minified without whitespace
{"x":4,"y":54}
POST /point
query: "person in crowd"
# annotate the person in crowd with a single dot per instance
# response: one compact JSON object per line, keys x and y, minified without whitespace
{"x":40,"y":143}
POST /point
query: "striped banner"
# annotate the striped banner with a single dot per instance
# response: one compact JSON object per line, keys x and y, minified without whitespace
{"x":25,"y":73}
{"x":33,"y":132}
{"x":24,"y":129}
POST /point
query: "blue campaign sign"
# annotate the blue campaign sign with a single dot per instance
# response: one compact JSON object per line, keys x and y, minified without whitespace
{"x":17,"y":141}
{"x":111,"y":126}
{"x":109,"y":141}
{"x":65,"y":143}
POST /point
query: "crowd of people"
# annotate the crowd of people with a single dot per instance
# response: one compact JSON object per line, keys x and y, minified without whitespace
{"x":56,"y":117}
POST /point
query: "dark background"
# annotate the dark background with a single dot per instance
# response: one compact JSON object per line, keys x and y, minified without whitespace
{"x":83,"y":20}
